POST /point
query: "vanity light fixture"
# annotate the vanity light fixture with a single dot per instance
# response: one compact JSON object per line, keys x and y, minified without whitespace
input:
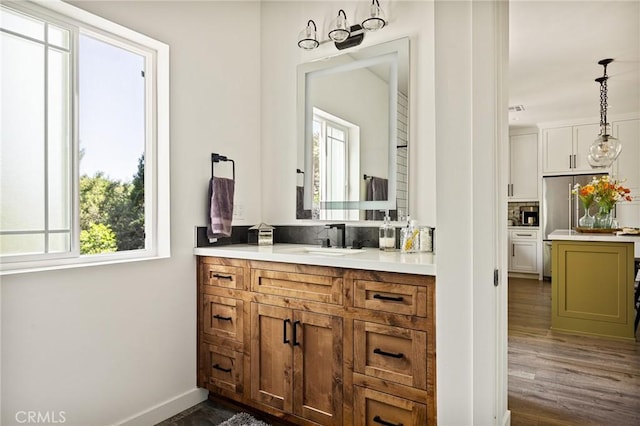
{"x":375,"y":20}
{"x":308,"y":39}
{"x":340,"y":28}
{"x":605,"y":149}
{"x":341,"y":33}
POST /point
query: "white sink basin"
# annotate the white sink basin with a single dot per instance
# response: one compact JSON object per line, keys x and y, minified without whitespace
{"x":332,"y":251}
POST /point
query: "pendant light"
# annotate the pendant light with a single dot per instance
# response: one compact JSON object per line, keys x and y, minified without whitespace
{"x":340,"y":29}
{"x":307,"y":38}
{"x":375,"y":20}
{"x":605,"y":149}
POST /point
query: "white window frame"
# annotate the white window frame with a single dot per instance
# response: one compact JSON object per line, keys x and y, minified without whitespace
{"x":157,"y":179}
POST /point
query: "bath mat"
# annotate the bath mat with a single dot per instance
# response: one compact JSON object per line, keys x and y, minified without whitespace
{"x":243,"y":419}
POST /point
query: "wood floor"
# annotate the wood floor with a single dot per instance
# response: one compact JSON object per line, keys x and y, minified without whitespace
{"x":563,"y":379}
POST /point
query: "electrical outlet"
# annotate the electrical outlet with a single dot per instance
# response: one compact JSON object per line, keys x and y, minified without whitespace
{"x":238,"y":211}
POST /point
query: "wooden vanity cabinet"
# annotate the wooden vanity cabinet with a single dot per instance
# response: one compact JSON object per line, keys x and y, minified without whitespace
{"x":318,"y":345}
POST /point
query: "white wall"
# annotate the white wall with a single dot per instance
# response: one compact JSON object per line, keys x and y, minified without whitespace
{"x":105,"y":343}
{"x":281,"y":22}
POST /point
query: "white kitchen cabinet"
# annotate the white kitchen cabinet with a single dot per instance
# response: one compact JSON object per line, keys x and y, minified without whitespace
{"x":523,"y":251}
{"x":627,"y":169}
{"x":565,"y":149}
{"x":523,"y":167}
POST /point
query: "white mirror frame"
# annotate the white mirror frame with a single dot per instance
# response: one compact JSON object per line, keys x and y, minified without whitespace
{"x":394,"y":53}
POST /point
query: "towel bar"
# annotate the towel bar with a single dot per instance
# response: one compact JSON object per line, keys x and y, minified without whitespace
{"x":216,"y":158}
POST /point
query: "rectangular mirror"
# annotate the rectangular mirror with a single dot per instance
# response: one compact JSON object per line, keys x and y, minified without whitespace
{"x":353,"y":133}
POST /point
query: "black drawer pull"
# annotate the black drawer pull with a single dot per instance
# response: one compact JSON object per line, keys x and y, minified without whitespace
{"x":223,"y":277}
{"x":295,"y":335}
{"x":377,"y":419}
{"x":217,"y":367}
{"x":284,"y":331}
{"x":393,"y":299}
{"x":392,"y":355}
{"x":218,"y":317}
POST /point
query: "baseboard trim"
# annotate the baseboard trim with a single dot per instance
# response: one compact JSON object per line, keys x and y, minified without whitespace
{"x":506,"y":420}
{"x":166,"y":409}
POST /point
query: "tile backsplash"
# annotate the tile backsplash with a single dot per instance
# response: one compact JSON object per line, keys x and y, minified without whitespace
{"x":513,"y":211}
{"x":366,"y":235}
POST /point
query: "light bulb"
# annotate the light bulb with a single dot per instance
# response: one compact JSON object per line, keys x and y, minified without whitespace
{"x":604,"y":150}
{"x":375,"y":20}
{"x":307,"y":38}
{"x":340,"y":28}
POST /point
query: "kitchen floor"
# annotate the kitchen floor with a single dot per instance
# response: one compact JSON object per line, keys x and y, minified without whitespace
{"x":564,"y":379}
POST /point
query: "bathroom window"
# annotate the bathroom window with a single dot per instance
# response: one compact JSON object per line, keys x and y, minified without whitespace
{"x":84,"y":140}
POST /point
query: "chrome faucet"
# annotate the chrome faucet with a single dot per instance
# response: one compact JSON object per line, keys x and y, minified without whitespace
{"x":341,"y":231}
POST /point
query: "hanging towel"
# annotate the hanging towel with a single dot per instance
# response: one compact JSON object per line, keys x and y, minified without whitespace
{"x":220,"y":207}
{"x":301,"y":213}
{"x":376,"y":190}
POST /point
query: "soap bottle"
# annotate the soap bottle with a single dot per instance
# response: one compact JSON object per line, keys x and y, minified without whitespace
{"x":410,"y":237}
{"x":387,"y":235}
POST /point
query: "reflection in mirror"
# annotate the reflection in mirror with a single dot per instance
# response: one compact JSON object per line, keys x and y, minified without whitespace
{"x":353,"y":121}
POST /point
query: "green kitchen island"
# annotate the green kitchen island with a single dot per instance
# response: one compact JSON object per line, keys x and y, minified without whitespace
{"x":592,"y":278}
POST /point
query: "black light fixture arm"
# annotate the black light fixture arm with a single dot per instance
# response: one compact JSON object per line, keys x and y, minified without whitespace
{"x":314,"y":24}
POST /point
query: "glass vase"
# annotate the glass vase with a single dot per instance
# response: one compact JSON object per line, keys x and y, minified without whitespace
{"x":603,"y":218}
{"x":586,"y":221}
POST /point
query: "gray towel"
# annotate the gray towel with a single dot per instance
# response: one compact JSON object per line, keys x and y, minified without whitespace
{"x":220,"y":207}
{"x":376,"y":190}
{"x":301,"y":213}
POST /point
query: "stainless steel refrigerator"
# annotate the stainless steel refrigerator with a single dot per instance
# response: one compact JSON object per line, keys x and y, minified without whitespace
{"x":560,"y":209}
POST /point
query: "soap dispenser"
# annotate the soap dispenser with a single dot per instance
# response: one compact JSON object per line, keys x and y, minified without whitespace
{"x":387,"y":240}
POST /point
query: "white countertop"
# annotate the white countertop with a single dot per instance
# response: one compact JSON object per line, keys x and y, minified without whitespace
{"x":571,"y":235}
{"x":371,"y":259}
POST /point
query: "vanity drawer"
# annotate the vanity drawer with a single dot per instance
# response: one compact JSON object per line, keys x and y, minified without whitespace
{"x":223,"y":368}
{"x":222,"y":276}
{"x":373,"y":408}
{"x":390,"y":297}
{"x":390,"y":353}
{"x":318,"y":288}
{"x":222,"y":317}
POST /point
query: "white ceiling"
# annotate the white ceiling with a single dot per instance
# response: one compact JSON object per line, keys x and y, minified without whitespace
{"x":554,"y":51}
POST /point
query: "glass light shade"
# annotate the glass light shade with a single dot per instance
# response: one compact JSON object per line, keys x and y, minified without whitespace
{"x":307,"y":38}
{"x":375,"y":20}
{"x":339,"y":28}
{"x":604,"y":150}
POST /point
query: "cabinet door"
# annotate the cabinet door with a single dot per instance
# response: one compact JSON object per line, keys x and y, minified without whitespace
{"x":271,"y":356}
{"x":557,"y":150}
{"x":317,"y":367}
{"x":583,"y":137}
{"x":628,"y":170}
{"x":524,"y":256}
{"x":523,"y":166}
{"x":592,"y":288}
